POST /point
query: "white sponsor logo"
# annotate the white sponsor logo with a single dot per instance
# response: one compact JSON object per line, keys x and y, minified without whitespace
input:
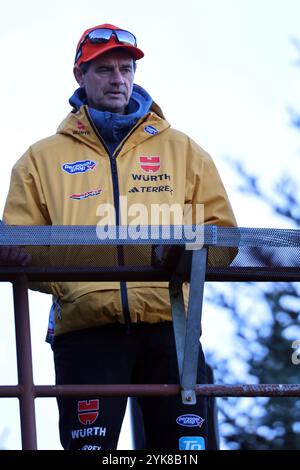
{"x":191,"y":443}
{"x":190,"y":420}
{"x":90,"y":447}
{"x":95,"y":431}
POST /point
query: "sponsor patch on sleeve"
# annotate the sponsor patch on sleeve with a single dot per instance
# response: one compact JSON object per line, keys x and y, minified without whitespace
{"x":151,"y":130}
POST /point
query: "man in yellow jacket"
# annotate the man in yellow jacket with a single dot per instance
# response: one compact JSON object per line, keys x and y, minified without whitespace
{"x":114,"y":144}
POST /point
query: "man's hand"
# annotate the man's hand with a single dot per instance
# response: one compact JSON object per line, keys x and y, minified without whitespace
{"x":14,"y":256}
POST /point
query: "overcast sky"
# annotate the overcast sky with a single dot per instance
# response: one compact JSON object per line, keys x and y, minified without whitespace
{"x":223,"y":72}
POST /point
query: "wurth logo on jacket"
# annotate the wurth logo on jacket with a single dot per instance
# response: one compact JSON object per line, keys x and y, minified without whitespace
{"x":150,"y":164}
{"x":88,"y":411}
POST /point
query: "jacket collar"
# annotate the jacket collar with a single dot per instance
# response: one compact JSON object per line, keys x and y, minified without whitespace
{"x":80,"y":126}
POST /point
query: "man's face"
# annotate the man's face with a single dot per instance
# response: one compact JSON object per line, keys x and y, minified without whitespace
{"x":108,"y":81}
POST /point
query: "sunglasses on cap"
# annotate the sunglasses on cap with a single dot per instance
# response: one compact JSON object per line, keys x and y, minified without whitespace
{"x":103,"y":35}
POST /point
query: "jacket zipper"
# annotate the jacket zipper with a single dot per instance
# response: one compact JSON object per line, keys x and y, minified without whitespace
{"x":116,"y":193}
{"x":120,"y":249}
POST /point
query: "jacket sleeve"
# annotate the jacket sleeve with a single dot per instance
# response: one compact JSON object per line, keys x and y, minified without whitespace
{"x":204,"y":186}
{"x":26,"y":205}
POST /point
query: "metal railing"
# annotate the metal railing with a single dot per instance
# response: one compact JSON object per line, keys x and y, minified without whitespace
{"x":191,"y":265}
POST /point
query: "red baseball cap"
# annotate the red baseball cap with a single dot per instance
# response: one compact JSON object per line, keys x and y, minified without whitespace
{"x":87,"y":50}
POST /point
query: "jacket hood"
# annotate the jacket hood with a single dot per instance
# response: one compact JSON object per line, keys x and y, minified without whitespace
{"x":139,"y":100}
{"x":114,"y":127}
{"x":82,"y":125}
{"x":79,"y":99}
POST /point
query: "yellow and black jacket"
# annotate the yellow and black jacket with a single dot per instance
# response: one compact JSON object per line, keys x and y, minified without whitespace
{"x":64,"y":179}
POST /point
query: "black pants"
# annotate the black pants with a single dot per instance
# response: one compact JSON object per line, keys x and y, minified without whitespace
{"x":109,"y":355}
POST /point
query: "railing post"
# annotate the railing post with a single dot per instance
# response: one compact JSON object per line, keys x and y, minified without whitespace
{"x":24,"y":363}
